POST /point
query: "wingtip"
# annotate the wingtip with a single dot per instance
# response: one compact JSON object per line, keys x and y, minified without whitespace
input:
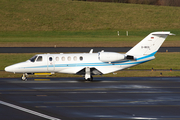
{"x":171,"y":34}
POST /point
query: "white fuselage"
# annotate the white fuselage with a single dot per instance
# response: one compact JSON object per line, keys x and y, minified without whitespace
{"x":73,"y":63}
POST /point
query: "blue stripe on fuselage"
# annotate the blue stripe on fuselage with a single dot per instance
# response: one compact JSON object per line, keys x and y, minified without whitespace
{"x":124,"y":62}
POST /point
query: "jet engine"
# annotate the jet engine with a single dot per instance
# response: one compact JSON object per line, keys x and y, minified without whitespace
{"x":110,"y":56}
{"x":130,"y":57}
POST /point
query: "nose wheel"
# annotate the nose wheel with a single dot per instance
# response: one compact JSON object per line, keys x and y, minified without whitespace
{"x":24,"y":78}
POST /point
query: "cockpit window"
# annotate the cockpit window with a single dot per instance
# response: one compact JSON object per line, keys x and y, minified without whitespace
{"x":39,"y":58}
{"x":33,"y":58}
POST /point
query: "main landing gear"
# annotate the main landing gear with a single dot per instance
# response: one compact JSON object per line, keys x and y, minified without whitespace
{"x":24,"y":77}
{"x":89,"y":79}
{"x":88,"y":75}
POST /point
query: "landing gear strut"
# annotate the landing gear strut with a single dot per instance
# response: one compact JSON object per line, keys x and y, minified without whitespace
{"x":24,"y":78}
{"x":88,"y":75}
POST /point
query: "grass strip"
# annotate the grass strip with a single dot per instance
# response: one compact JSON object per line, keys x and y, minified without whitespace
{"x":68,"y":15}
{"x":124,"y":73}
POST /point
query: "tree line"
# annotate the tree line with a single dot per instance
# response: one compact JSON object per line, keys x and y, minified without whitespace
{"x":148,"y":2}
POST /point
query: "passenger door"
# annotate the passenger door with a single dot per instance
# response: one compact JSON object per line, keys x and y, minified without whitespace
{"x":50,"y":63}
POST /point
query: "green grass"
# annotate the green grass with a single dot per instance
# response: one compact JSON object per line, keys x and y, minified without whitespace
{"x":12,"y":58}
{"x":67,"y":15}
{"x":144,"y":73}
{"x":78,"y":34}
{"x":164,"y":60}
{"x":125,"y":73}
{"x":104,"y":38}
{"x":44,"y":23}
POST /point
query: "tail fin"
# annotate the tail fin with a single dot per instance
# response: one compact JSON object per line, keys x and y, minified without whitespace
{"x":149,"y":45}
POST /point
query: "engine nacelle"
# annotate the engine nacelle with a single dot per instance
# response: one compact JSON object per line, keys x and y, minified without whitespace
{"x":110,"y":56}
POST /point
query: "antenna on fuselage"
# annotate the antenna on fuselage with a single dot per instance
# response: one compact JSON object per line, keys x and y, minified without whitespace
{"x":91,"y":51}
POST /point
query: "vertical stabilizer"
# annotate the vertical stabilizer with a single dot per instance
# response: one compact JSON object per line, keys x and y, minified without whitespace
{"x":149,"y":45}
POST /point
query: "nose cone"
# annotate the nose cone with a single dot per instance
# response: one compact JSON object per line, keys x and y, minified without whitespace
{"x":16,"y":68}
{"x":9,"y":69}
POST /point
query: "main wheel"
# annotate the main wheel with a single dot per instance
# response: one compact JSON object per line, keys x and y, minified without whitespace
{"x":90,"y":79}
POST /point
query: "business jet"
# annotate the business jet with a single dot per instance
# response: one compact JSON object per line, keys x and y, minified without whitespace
{"x":89,"y":64}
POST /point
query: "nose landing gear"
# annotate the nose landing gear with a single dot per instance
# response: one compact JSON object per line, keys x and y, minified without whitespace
{"x":24,"y":78}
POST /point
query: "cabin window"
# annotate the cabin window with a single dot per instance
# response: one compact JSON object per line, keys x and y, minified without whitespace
{"x":75,"y":58}
{"x":39,"y":58}
{"x":33,"y":58}
{"x":81,"y":58}
{"x":63,"y":58}
{"x":57,"y":58}
{"x":50,"y":58}
{"x":69,"y":58}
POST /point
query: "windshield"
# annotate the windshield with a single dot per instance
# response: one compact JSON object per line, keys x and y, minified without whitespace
{"x":33,"y":58}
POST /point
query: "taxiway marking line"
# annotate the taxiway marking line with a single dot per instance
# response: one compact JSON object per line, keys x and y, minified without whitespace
{"x":28,"y":111}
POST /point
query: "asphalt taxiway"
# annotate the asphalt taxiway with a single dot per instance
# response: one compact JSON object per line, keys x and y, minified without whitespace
{"x":102,"y":99}
{"x":74,"y":49}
